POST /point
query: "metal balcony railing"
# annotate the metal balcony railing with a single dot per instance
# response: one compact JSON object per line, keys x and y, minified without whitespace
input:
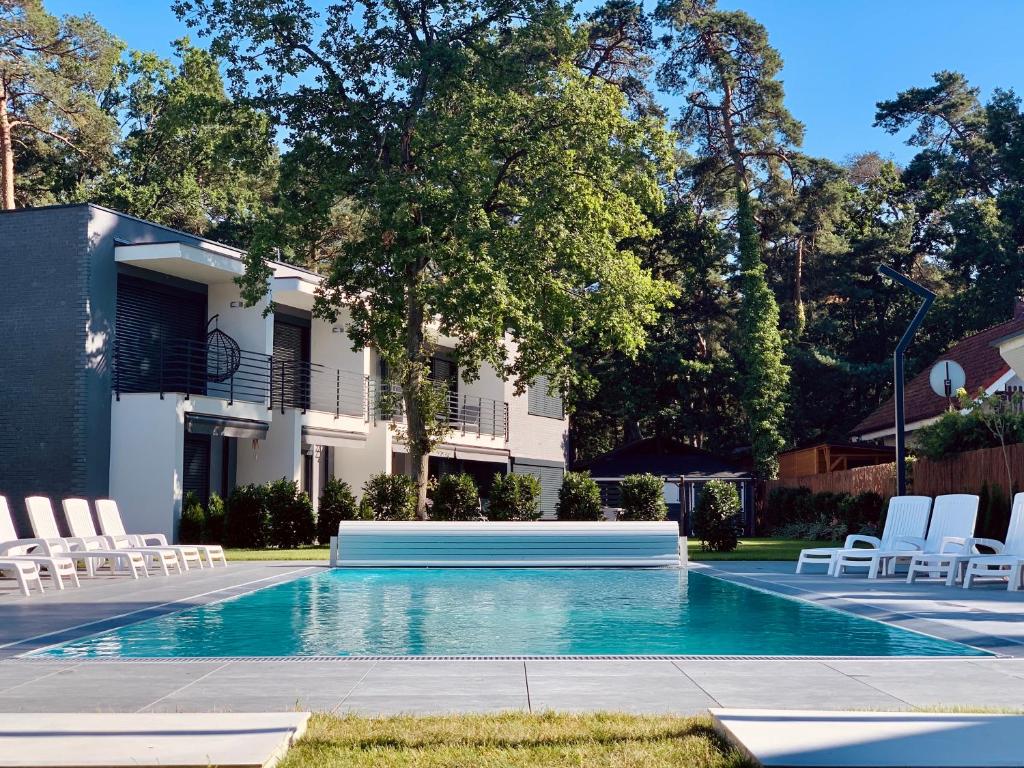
{"x":314,"y":387}
{"x":192,"y":368}
{"x":182,"y":365}
{"x":466,"y":413}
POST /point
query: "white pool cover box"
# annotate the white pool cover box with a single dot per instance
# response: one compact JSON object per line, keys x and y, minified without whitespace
{"x":419,"y":543}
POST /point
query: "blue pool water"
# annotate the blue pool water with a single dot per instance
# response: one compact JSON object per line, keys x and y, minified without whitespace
{"x":417,"y":612}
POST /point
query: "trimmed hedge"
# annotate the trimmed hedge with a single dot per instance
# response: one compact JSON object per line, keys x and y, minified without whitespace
{"x":290,"y":515}
{"x":714,"y":520}
{"x":389,"y":497}
{"x":643,"y":498}
{"x":579,"y":498}
{"x":337,"y":503}
{"x":455,"y":497}
{"x":193,"y":520}
{"x":514,"y":497}
{"x":248,"y":520}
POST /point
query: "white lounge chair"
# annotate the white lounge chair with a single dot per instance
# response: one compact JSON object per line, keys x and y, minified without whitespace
{"x":956,"y":552}
{"x":92,"y":553}
{"x":112,"y":525}
{"x":1008,"y":560}
{"x":952,"y":519}
{"x":907,"y":516}
{"x":33,"y":551}
{"x":80,"y":524}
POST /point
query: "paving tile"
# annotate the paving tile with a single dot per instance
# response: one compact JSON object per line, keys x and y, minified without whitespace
{"x":401,"y":703}
{"x":415,"y":678}
{"x":14,"y":674}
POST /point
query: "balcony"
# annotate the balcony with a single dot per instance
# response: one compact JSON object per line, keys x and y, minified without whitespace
{"x":193,"y":368}
{"x":465,"y":413}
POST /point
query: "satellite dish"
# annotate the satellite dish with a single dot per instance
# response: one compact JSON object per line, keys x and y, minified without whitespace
{"x":946,"y":378}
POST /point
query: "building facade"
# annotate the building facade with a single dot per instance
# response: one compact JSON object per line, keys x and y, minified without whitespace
{"x":134,"y":370}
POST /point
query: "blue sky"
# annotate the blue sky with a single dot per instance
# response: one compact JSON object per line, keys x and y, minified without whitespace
{"x":841,"y":56}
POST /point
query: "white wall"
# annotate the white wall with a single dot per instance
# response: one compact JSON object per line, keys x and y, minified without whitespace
{"x":279,"y":455}
{"x":146,"y":453}
{"x":246,"y":325}
{"x":356,"y":465}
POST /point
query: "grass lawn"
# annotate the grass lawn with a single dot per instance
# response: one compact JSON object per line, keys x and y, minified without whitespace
{"x":749,"y":549}
{"x":512,"y":740}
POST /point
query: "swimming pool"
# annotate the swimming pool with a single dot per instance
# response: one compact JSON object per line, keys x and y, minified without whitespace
{"x":507,"y":612}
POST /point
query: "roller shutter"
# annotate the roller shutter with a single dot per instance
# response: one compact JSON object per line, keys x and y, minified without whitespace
{"x":196,"y":466}
{"x":550,"y":478}
{"x":541,"y":403}
{"x":291,"y":361}
{"x":159,"y":332}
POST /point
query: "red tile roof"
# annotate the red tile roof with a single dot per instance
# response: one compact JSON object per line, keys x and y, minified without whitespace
{"x":980,"y":361}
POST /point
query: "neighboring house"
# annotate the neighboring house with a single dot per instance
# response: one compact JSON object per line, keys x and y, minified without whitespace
{"x":989,"y":359}
{"x":823,"y":458}
{"x":112,"y":385}
{"x":683,"y":469}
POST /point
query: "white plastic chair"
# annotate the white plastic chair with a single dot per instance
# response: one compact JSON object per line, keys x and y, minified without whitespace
{"x":952,"y":521}
{"x":1007,"y":562}
{"x":79,"y":519}
{"x":907,"y":516}
{"x":34,"y":551}
{"x":112,"y":525}
{"x":92,"y":553}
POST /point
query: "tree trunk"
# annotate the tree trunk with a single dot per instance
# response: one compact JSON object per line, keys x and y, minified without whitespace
{"x":798,"y":280}
{"x":413,"y":380}
{"x":6,"y":156}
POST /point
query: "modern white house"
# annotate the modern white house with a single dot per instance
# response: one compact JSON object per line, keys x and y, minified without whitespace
{"x":134,"y":370}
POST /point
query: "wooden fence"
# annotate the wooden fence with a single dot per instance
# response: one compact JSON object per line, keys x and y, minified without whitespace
{"x":963,"y":473}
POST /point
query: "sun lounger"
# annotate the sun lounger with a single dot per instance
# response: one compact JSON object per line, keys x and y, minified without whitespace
{"x":80,"y":524}
{"x":44,"y":525}
{"x":1007,"y":562}
{"x":32,"y":551}
{"x":907,"y":516}
{"x":112,"y":525}
{"x":953,"y":518}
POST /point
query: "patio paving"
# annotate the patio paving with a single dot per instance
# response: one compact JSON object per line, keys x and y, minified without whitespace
{"x":384,"y":686}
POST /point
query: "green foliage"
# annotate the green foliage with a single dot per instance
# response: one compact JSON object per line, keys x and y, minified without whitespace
{"x":337,"y":503}
{"x":192,"y":158}
{"x":786,"y":505}
{"x":514,"y":497}
{"x":289,"y":515}
{"x":714,"y":520}
{"x":216,"y":516}
{"x":862,"y":511}
{"x":455,"y":497}
{"x":56,"y":81}
{"x":796,"y":513}
{"x":956,"y":432}
{"x":193,"y":520}
{"x":498,"y":186}
{"x":247,"y":520}
{"x":389,"y":497}
{"x":579,"y":498}
{"x":643,"y":498}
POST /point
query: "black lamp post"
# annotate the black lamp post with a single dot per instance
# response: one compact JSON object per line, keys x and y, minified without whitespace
{"x":897,"y":364}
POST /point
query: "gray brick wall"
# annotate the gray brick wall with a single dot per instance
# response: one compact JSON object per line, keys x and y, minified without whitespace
{"x":58,"y":299}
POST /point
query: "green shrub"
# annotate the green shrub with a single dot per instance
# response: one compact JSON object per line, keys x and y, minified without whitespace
{"x":193,"y":520}
{"x":955,"y":432}
{"x":714,"y":520}
{"x":389,"y":497}
{"x":785,"y":506}
{"x":579,"y":498}
{"x":337,"y":503}
{"x":213,"y":532}
{"x":861,"y":512}
{"x":514,"y":497}
{"x":643,"y":498}
{"x":247,"y":523}
{"x":455,"y":497}
{"x":290,"y":515}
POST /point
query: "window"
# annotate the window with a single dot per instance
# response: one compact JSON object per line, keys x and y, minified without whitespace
{"x":542,"y":403}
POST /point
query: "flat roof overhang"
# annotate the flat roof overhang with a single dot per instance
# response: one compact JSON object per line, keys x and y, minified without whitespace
{"x":200,"y":265}
{"x":1011,"y":349}
{"x":294,"y":292}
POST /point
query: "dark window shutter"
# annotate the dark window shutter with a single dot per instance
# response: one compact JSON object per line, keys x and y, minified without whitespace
{"x":196,"y":466}
{"x":550,"y":483}
{"x":541,"y":403}
{"x":291,"y":356}
{"x":157,"y":326}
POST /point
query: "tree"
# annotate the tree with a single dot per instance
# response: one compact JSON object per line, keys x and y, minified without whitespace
{"x":192,"y":158}
{"x":56,"y":80}
{"x":722,"y":64}
{"x":494,"y":181}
